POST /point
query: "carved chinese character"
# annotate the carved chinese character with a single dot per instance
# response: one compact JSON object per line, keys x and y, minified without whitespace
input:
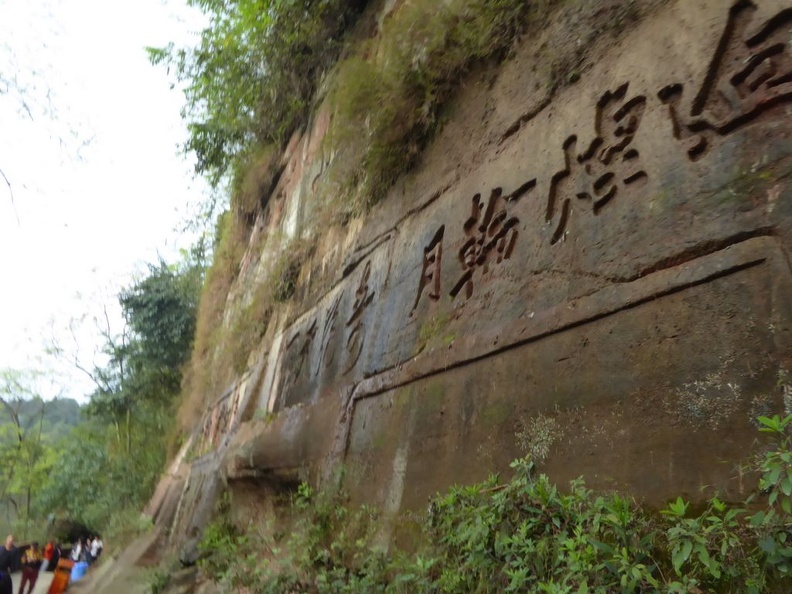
{"x":491,"y":237}
{"x":221,"y":422}
{"x":206,"y":432}
{"x":355,"y":338}
{"x":328,"y":334}
{"x":609,"y":163}
{"x":432,"y":263}
{"x":305,"y":349}
{"x":750,"y":74}
{"x":297,"y":359}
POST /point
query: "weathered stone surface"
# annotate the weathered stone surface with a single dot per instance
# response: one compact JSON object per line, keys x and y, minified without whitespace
{"x":603,"y":392}
{"x":289,"y":447}
{"x":196,"y":506}
{"x":186,"y":496}
{"x":605,"y":283}
{"x":522,"y":235}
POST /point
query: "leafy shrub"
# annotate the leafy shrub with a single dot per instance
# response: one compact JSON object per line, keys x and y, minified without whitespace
{"x":252,"y":78}
{"x":158,"y":581}
{"x":526,"y":535}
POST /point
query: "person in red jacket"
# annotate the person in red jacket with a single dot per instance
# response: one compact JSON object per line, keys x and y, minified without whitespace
{"x":49,"y":551}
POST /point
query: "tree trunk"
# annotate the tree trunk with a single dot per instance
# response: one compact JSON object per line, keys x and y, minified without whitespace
{"x":129,"y":432}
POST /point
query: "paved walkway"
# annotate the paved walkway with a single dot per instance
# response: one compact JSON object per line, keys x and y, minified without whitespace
{"x":42,"y":583}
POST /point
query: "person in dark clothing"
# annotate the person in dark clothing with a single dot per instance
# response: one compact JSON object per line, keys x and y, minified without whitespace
{"x":56,"y":556}
{"x":8,"y":559}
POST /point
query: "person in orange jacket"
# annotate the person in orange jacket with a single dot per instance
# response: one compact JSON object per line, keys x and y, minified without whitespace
{"x":49,"y":551}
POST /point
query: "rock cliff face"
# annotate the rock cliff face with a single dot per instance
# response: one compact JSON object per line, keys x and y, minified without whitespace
{"x":598,"y":274}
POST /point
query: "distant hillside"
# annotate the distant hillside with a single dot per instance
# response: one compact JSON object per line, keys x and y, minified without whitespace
{"x":57,"y":416}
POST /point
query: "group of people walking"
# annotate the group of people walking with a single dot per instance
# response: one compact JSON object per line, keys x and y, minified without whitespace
{"x":34,"y":560}
{"x":87,"y":550}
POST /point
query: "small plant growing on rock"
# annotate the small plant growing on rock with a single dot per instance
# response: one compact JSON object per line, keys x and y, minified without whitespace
{"x":537,"y":437}
{"x":709,"y":401}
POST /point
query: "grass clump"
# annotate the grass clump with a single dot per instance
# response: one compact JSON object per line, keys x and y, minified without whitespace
{"x":388,"y":95}
{"x":204,"y":376}
{"x":253,"y":180}
{"x":537,"y":436}
{"x":286,"y":271}
{"x":158,"y":581}
{"x":525,"y":535}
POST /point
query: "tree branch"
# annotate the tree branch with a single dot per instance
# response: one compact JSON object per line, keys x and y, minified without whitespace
{"x":11,"y":193}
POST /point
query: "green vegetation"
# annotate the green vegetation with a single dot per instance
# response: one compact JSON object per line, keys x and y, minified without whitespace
{"x":525,"y":535}
{"x":253,"y":75}
{"x":253,"y":78}
{"x":31,"y":429}
{"x":158,"y":581}
{"x":388,"y":96}
{"x":57,"y":416}
{"x":97,"y":466}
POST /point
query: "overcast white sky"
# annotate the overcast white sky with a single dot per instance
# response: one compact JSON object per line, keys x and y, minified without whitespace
{"x":99,"y":187}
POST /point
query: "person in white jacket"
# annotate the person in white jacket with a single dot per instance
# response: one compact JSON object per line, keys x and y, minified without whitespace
{"x":96,"y":545}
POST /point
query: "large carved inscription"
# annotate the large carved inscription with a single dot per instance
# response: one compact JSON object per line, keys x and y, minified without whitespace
{"x":602,"y":165}
{"x":490,"y":234}
{"x":312,"y":347}
{"x":748,"y":78}
{"x":750,"y":73}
